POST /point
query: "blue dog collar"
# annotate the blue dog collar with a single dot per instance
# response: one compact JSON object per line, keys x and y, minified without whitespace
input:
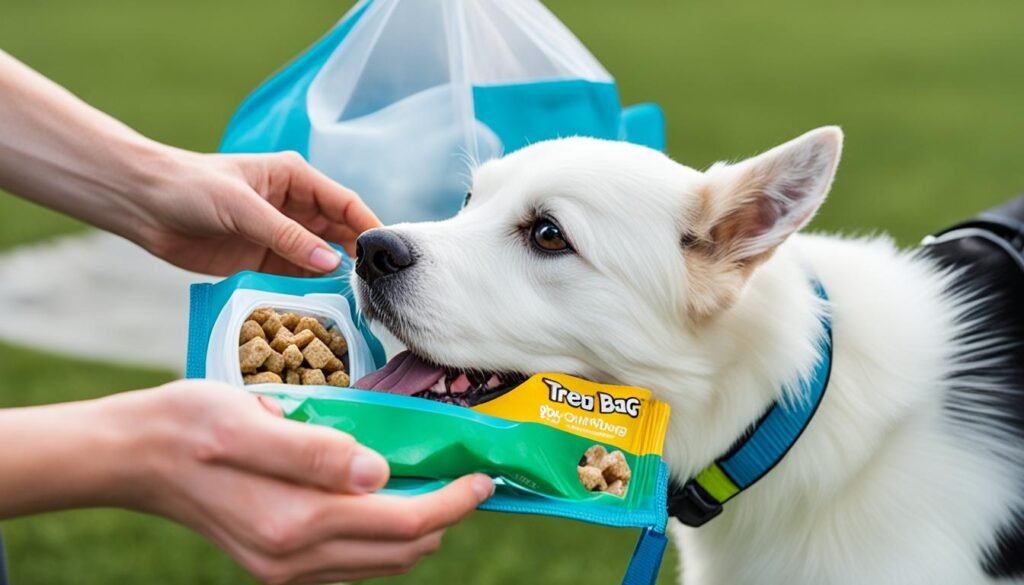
{"x":760,"y":449}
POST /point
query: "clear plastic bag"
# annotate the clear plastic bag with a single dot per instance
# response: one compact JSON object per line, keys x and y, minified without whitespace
{"x":404,"y":96}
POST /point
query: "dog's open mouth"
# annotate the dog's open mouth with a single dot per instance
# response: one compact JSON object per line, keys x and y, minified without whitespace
{"x":410,"y":375}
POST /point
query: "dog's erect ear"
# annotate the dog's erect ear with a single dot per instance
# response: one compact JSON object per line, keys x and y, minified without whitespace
{"x":751,"y":207}
{"x":745,"y":210}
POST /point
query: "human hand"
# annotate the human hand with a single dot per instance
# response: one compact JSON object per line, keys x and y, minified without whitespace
{"x":291,"y":502}
{"x":218,"y":214}
{"x":209,"y":213}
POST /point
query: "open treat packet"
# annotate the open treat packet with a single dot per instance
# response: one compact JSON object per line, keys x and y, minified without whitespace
{"x":554,"y":444}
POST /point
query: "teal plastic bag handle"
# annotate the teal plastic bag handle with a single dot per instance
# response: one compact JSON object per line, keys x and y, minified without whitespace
{"x":643,"y":124}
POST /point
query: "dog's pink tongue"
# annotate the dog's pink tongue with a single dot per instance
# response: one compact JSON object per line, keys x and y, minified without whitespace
{"x":405,"y":374}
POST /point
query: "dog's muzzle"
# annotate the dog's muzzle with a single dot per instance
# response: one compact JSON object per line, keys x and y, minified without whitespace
{"x":381,"y":253}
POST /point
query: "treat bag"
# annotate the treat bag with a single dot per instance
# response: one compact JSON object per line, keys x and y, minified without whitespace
{"x":402,"y":98}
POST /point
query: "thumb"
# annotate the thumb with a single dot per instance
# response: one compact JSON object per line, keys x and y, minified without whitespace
{"x":264,"y":224}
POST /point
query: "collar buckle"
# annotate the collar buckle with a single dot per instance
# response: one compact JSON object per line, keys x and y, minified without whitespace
{"x":692,"y":505}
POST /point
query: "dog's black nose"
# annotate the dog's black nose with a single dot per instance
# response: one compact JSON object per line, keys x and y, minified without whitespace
{"x":379,"y":253}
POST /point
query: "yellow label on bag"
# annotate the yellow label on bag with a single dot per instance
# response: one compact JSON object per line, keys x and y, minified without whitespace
{"x":621,"y":416}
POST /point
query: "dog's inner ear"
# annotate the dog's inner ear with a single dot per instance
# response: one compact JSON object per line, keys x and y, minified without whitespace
{"x":745,"y":210}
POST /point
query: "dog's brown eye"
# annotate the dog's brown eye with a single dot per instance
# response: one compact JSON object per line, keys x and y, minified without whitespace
{"x":547,"y":236}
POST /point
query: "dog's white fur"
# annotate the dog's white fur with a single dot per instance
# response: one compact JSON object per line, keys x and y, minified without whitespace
{"x":693,"y":284}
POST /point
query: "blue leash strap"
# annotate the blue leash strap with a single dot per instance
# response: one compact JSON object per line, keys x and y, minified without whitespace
{"x":646,"y":560}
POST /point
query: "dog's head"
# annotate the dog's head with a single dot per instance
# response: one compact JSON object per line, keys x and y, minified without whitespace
{"x":579,"y":255}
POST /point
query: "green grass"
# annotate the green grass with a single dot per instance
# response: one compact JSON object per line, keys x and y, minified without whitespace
{"x":927,"y":91}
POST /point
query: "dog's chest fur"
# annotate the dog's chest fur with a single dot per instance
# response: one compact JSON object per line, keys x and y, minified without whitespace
{"x":913,"y":463}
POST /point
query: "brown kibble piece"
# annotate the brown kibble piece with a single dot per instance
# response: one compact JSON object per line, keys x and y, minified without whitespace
{"x":591,"y":478}
{"x":313,"y":377}
{"x":302,"y":338}
{"x":339,"y":379}
{"x":260,"y":315}
{"x":338,"y":345}
{"x":290,"y":320}
{"x":282,"y":340}
{"x":311,"y":324}
{"x":594,"y":455}
{"x":272,"y":324}
{"x":249,"y":330}
{"x":317,"y":354}
{"x":333,"y":365}
{"x":292,"y":356}
{"x":262,"y":378}
{"x":292,"y":377}
{"x":275,"y":362}
{"x":617,"y":488}
{"x":252,"y":354}
{"x":614,"y":467}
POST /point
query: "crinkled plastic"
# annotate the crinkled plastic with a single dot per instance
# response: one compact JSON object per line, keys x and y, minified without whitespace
{"x":402,"y":96}
{"x":535,"y":440}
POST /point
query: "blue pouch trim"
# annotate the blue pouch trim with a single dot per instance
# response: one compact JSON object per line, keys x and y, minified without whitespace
{"x":273,"y":117}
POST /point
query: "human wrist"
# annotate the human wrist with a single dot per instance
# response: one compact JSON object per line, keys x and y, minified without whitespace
{"x":133,"y":443}
{"x":143,"y":177}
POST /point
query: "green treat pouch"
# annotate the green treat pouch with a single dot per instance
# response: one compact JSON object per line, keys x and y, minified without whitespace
{"x":554,"y":444}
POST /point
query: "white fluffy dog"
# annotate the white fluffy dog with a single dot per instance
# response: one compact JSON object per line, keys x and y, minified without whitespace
{"x":612,"y":262}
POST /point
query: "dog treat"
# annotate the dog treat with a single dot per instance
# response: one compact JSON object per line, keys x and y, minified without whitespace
{"x":313,"y":377}
{"x":292,"y":356}
{"x":338,"y":378}
{"x":594,"y":455}
{"x":290,"y":320}
{"x":252,"y":354}
{"x":272,"y":324}
{"x":282,"y":340}
{"x":614,"y":467}
{"x":249,"y":330}
{"x":616,"y":488}
{"x":301,"y":350}
{"x":591,"y":478}
{"x":274,"y":363}
{"x":260,"y":315}
{"x":317,"y":354}
{"x":302,"y":338}
{"x":333,"y":365}
{"x":262,"y":378}
{"x":311,"y":324}
{"x":338,"y":344}
{"x":611,"y":468}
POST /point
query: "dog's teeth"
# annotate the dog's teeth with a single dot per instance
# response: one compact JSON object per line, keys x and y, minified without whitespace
{"x":460,"y":384}
{"x":493,"y":382}
{"x":438,"y":387}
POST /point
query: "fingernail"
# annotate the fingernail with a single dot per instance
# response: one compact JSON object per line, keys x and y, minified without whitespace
{"x":368,"y":471}
{"x":483,"y":487}
{"x":271,"y":405}
{"x":324,"y":259}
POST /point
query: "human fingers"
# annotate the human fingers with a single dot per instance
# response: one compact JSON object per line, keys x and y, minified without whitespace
{"x":301,"y":453}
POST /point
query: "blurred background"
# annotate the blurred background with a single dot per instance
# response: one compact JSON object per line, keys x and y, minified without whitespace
{"x":928,"y":92}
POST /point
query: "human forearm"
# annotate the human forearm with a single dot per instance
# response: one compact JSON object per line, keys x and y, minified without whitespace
{"x":64,"y":154}
{"x":66,"y":456}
